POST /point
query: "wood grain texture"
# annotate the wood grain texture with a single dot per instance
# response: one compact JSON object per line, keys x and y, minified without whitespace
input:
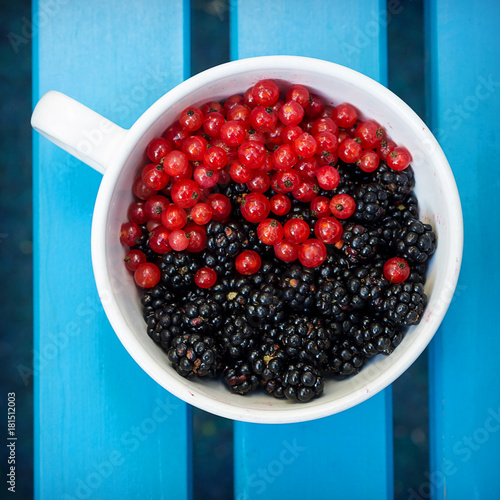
{"x":103,"y":429}
{"x":348,"y":455}
{"x":464,"y":104}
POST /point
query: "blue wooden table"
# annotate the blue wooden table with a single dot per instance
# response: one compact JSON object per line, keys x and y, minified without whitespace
{"x":104,"y":429}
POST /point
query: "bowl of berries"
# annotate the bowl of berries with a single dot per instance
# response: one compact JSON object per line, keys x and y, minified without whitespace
{"x":275,"y":240}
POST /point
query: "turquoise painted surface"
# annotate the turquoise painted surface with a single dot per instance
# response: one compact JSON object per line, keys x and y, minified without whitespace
{"x":320,"y":459}
{"x":103,"y":429}
{"x":464,"y":105}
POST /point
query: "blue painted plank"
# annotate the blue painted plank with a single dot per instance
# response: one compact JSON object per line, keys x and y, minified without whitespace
{"x":103,"y":429}
{"x":464,"y":106}
{"x":348,"y":455}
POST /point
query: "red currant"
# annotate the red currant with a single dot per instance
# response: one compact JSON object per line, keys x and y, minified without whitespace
{"x":324,"y":124}
{"x":342,"y":206}
{"x":328,"y":230}
{"x":345,"y":115}
{"x":221,"y":206}
{"x":174,"y":217}
{"x":296,"y":231}
{"x":298,"y":93}
{"x":259,"y":183}
{"x":396,"y":270}
{"x":178,"y":240}
{"x":185,"y":193}
{"x":290,"y":133}
{"x":135,"y":212}
{"x":280,"y":204}
{"x":312,"y":253}
{"x":154,"y":207}
{"x":133,"y":258}
{"x":370,"y":133}
{"x":147,"y":275}
{"x":327,"y":142}
{"x":206,"y":177}
{"x":191,"y":118}
{"x":194,"y":147}
{"x":197,"y":237}
{"x":284,"y":157}
{"x":154,"y":176}
{"x":175,"y":163}
{"x":291,"y":113}
{"x":211,"y":107}
{"x":213,"y":123}
{"x":176,"y":135}
{"x":248,"y":262}
{"x":239,"y":173}
{"x":263,"y":119}
{"x":201,"y":213}
{"x":159,"y":240}
{"x":315,"y":107}
{"x":157,"y":149}
{"x":205,"y":277}
{"x":215,"y":157}
{"x":328,"y":177}
{"x":320,"y":207}
{"x":349,"y":150}
{"x":274,"y":137}
{"x":287,"y":181}
{"x":130,"y":234}
{"x":270,"y":231}
{"x":308,"y":167}
{"x":233,"y":133}
{"x":255,"y":207}
{"x":265,"y":92}
{"x":305,"y":145}
{"x":140,"y":189}
{"x":286,"y":251}
{"x":239,"y":113}
{"x":233,"y":101}
{"x":368,"y":161}
{"x":306,"y":191}
{"x":399,"y":158}
{"x":252,"y":154}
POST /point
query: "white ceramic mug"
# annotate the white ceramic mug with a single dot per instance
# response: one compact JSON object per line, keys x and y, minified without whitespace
{"x":120,"y":154}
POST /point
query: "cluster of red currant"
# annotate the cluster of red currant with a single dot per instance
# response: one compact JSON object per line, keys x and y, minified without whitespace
{"x":290,"y":146}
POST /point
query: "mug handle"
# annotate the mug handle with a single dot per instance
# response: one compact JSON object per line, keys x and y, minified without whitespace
{"x":77,"y":129}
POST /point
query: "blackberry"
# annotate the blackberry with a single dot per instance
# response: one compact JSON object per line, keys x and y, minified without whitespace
{"x":164,"y":324}
{"x":155,"y":298}
{"x":240,"y":378}
{"x":236,"y":336}
{"x":358,"y":242}
{"x":404,"y":303}
{"x":404,"y":210}
{"x":236,"y":192}
{"x":305,"y":340}
{"x":350,"y":176}
{"x":390,"y":228}
{"x":268,"y":361}
{"x":200,"y":315}
{"x":399,"y":184}
{"x":264,"y":306}
{"x":332,"y":299}
{"x":193,"y":355}
{"x":372,"y":201}
{"x":297,"y":285}
{"x":374,"y":335}
{"x":222,"y":267}
{"x":178,"y":270}
{"x":416,"y":242}
{"x":224,"y":240}
{"x":269,"y":273}
{"x":345,"y":359}
{"x":302,"y":382}
{"x":237,"y":291}
{"x":366,"y":285}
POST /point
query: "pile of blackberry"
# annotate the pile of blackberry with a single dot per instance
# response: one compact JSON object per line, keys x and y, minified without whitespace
{"x":285,"y":329}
